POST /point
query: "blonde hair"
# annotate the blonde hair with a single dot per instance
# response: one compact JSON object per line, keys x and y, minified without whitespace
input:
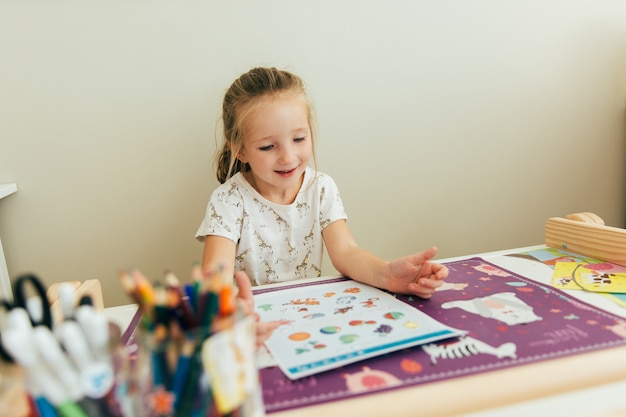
{"x":239,"y":101}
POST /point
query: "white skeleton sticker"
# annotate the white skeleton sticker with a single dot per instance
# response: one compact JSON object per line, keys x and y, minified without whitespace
{"x":503,"y":306}
{"x":467,"y":346}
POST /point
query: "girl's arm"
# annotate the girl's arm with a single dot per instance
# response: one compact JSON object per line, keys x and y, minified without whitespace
{"x":413,"y":274}
{"x":219,"y":251}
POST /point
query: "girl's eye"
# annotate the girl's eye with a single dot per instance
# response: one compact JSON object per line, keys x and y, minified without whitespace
{"x":266,"y":148}
{"x":297,"y":140}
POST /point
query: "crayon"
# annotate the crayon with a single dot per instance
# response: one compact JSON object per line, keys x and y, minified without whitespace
{"x":70,"y":409}
{"x":160,"y":338}
{"x":190,"y":295}
{"x":128,"y":284}
{"x":226,"y":301}
{"x":179,"y":303}
{"x":44,"y":407}
{"x":185,"y":401}
{"x":143,"y":288}
{"x":182,"y":369}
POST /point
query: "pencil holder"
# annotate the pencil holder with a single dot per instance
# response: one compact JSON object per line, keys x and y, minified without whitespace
{"x":204,"y":371}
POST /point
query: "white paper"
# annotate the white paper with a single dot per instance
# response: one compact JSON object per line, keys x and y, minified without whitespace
{"x":336,"y":323}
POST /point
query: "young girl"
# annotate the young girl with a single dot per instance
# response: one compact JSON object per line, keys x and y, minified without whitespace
{"x":271,"y":216}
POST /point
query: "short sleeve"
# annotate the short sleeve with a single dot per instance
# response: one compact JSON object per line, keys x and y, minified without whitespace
{"x":331,"y":205}
{"x":224,"y":214}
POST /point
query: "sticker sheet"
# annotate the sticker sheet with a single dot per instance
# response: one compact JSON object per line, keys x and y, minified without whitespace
{"x":330,"y":325}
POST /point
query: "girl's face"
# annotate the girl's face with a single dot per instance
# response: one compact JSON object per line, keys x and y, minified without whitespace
{"x":277,"y":146}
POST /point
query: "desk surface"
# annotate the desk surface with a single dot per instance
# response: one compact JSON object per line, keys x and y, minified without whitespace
{"x":551,"y":388}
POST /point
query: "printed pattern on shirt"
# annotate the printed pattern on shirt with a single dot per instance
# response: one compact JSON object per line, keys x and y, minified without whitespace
{"x":275,"y":242}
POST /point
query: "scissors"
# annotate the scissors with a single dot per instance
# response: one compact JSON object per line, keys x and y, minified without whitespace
{"x":22,"y":297}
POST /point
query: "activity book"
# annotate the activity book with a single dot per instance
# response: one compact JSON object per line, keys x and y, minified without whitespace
{"x":337,"y":323}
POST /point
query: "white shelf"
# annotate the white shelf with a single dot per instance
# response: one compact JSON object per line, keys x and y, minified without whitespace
{"x":7,"y":189}
{"x":5,"y":280}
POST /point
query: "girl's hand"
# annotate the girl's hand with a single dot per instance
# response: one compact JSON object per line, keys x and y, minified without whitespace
{"x":244,"y":294}
{"x":416,"y":275}
{"x":263,"y":329}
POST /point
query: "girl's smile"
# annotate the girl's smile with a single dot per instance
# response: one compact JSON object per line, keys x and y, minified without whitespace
{"x":286,"y":173}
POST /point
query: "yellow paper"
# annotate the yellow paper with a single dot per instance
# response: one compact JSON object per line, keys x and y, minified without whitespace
{"x":576,"y":276}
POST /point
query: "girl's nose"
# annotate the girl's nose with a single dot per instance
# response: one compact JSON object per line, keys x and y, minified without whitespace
{"x":286,"y":154}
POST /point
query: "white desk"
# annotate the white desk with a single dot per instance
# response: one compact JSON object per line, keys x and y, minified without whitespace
{"x":599,"y":391}
{"x":121,"y":315}
{"x":5,"y":280}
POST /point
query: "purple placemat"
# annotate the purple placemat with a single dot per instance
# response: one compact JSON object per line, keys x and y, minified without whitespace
{"x":511,"y":320}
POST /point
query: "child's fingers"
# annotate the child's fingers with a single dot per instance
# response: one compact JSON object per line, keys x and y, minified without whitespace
{"x":264,"y":330}
{"x":420,"y":258}
{"x":243,"y":283}
{"x":244,"y":289}
{"x":425,"y":287}
{"x":440,"y":272}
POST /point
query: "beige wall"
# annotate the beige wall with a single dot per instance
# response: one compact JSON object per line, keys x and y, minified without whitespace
{"x":461,"y":124}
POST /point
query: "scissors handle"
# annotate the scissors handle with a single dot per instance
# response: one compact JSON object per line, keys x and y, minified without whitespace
{"x":20,"y":298}
{"x":4,"y":355}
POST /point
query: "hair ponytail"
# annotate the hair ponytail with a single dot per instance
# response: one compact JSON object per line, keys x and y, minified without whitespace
{"x":227,"y":164}
{"x":223,"y":164}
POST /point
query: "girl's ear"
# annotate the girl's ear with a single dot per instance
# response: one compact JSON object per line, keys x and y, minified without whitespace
{"x":242,"y":157}
{"x":239,"y":155}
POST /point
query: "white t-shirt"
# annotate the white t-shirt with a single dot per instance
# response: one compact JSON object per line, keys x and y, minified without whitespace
{"x":275,"y":242}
